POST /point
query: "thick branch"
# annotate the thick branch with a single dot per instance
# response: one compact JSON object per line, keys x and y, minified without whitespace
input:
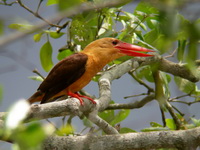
{"x":182,"y":139}
{"x":167,"y":66}
{"x":55,"y":109}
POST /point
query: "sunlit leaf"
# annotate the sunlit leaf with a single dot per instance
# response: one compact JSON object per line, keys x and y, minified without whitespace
{"x":36,"y":78}
{"x":55,"y":34}
{"x":107,"y":115}
{"x":152,"y":22}
{"x":170,"y":124}
{"x":46,"y":56}
{"x":196,"y":122}
{"x":51,"y":2}
{"x":120,"y":116}
{"x":185,"y":85}
{"x":64,"y":53}
{"x":126,"y":130}
{"x":37,"y":37}
{"x":96,"y":78}
{"x":66,"y":130}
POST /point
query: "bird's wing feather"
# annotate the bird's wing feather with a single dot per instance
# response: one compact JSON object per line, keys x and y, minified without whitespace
{"x":63,"y":74}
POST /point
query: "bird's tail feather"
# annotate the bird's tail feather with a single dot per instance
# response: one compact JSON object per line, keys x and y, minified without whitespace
{"x":36,"y":97}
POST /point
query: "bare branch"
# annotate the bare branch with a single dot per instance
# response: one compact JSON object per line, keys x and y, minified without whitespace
{"x":136,"y":104}
{"x":59,"y":16}
{"x":36,"y":13}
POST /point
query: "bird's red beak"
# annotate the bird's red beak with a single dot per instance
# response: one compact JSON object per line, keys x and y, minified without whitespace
{"x":133,"y":50}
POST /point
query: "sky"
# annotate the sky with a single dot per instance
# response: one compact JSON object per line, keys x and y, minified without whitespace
{"x":19,"y":58}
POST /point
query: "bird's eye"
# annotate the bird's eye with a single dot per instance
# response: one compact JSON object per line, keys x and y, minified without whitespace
{"x":115,"y":42}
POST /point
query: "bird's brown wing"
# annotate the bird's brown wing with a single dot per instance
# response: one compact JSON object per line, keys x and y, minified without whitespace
{"x":62,"y":75}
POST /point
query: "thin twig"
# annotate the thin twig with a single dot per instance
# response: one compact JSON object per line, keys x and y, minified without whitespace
{"x":175,"y":118}
{"x":52,"y":124}
{"x":172,"y":54}
{"x":135,"y":95}
{"x":37,"y":15}
{"x":134,"y":105}
{"x":163,"y":116}
{"x":39,"y":6}
{"x":187,"y":103}
{"x":141,"y":82}
{"x":178,"y":97}
{"x":39,"y":74}
{"x":178,"y":110}
{"x":7,"y":4}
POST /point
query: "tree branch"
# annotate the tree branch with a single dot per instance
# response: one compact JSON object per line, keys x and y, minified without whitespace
{"x":182,"y":139}
{"x":136,"y":104}
{"x":64,"y":14}
{"x":167,"y":66}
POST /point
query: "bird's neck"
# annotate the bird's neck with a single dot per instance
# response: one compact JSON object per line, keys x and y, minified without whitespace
{"x":99,"y":60}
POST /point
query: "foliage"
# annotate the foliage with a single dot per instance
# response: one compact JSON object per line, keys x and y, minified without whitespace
{"x":156,"y":26}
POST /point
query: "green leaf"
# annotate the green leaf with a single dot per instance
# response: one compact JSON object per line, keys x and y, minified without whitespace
{"x":196,"y":122}
{"x":126,"y":130}
{"x":145,"y":9}
{"x":120,"y":116}
{"x":37,"y":37}
{"x":181,"y":49}
{"x":170,"y":124}
{"x":20,"y":27}
{"x":155,"y":129}
{"x":155,"y":124}
{"x":87,"y":122}
{"x":46,"y":56}
{"x":151,"y":37}
{"x":36,"y":78}
{"x":65,"y":130}
{"x":64,"y":53}
{"x":96,"y":78}
{"x":166,"y":79}
{"x":51,"y":2}
{"x":185,"y":85}
{"x":84,"y":28}
{"x":107,"y":115}
{"x":145,"y":72}
{"x":62,"y":4}
{"x":152,"y":22}
{"x":30,"y":137}
{"x":1,"y":27}
{"x":55,"y":34}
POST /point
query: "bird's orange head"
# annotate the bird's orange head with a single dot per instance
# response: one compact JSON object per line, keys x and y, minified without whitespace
{"x":111,"y":48}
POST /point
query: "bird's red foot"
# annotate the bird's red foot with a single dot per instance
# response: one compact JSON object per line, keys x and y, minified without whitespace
{"x":87,"y":98}
{"x":78,"y":96}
